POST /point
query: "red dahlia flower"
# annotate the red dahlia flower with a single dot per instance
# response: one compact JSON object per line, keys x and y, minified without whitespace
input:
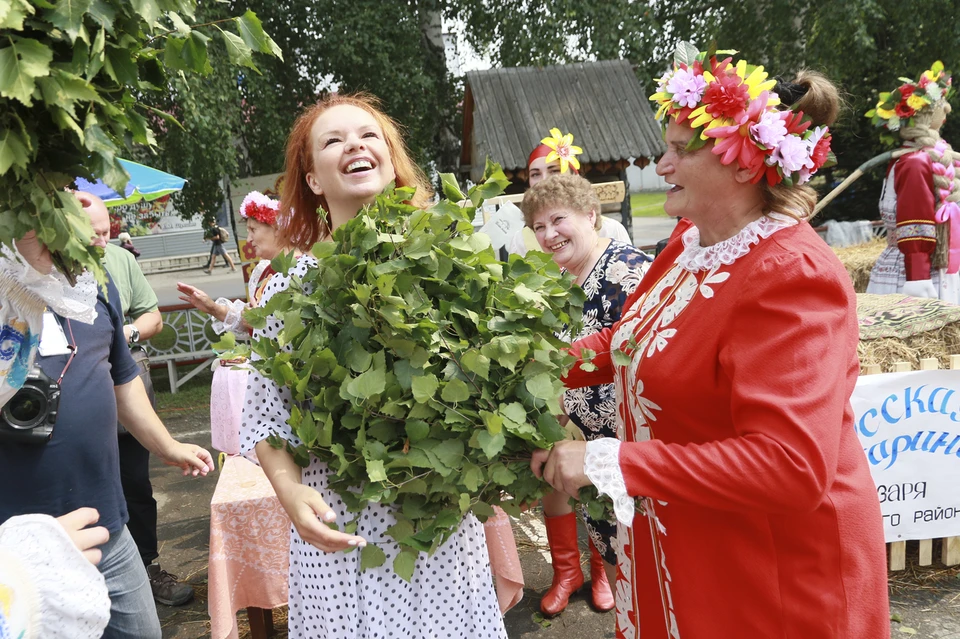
{"x":727,"y":97}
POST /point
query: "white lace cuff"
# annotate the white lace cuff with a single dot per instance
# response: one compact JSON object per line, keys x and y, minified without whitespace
{"x":55,"y":593}
{"x":233,"y":322}
{"x":602,"y":465}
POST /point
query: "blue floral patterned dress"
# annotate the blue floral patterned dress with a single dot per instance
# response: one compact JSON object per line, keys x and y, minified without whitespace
{"x":614,"y":277}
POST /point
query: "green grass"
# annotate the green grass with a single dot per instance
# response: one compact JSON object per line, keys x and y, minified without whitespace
{"x":195,"y":394}
{"x":648,"y":204}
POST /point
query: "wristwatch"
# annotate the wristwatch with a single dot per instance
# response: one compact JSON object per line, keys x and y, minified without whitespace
{"x":134,"y":334}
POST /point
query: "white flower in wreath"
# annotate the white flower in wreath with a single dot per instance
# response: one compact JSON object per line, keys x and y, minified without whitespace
{"x":712,"y":278}
{"x":658,"y":340}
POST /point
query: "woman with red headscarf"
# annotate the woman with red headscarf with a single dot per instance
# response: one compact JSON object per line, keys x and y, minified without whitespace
{"x":544,"y":161}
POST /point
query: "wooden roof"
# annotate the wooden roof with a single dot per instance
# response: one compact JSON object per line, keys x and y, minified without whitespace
{"x":508,"y":111}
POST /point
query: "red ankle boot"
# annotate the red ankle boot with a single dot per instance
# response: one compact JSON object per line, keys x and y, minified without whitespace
{"x":602,"y":597}
{"x":567,"y":575}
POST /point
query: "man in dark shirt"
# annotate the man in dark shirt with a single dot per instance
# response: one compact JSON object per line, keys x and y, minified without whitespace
{"x":79,"y":465}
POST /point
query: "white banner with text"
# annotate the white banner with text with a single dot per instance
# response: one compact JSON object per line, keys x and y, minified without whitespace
{"x":909,"y":425}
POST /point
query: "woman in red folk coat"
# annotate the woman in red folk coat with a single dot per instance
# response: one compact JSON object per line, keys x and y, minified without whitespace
{"x":744,"y":500}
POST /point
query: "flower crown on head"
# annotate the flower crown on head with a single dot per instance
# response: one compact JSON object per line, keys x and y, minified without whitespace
{"x":562,"y":149}
{"x":737,"y":107}
{"x":259,"y":207}
{"x":897,"y":108}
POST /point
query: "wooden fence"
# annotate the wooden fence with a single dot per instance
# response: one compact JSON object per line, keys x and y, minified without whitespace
{"x":950,"y":546}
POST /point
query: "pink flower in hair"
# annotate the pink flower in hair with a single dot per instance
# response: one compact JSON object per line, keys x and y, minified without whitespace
{"x":686,"y":87}
{"x":770,"y":130}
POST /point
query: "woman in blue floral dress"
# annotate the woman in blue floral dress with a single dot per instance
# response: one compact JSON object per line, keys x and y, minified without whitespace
{"x":564,"y":214}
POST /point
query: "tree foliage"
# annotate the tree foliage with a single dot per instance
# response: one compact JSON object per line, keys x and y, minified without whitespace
{"x":423,"y":369}
{"x":237,"y":125}
{"x":72,"y":79}
{"x":862,"y":45}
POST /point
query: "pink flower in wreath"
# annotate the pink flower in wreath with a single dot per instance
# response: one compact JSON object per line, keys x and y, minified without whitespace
{"x":686,"y":87}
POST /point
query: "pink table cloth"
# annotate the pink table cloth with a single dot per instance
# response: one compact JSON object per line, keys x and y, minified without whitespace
{"x":249,"y":546}
{"x":227,"y":391}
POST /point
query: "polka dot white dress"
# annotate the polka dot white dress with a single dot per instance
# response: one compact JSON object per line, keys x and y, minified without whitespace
{"x":451,"y":593}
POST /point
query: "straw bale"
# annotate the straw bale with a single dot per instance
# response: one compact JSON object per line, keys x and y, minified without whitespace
{"x":940,"y":343}
{"x":859,"y":260}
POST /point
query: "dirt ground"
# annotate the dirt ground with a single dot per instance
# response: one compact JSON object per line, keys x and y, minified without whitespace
{"x":925,"y":602}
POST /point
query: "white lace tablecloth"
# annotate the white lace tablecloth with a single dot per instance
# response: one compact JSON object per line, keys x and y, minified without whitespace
{"x":249,"y":546}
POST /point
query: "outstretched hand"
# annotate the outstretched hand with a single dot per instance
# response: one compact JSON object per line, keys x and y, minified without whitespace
{"x":192,"y":459}
{"x":196,"y":298}
{"x":308,"y":512}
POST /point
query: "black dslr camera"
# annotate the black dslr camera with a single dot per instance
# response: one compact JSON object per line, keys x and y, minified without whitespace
{"x":29,"y":416}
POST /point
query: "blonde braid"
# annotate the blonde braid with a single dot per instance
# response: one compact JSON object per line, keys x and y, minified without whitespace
{"x":922,"y":136}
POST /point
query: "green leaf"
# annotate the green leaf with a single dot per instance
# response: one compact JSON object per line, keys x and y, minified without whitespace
{"x":502,"y":475}
{"x":368,"y":384}
{"x":476,"y":362}
{"x":182,"y":27}
{"x":17,"y":11}
{"x":416,"y":429}
{"x":148,"y":10}
{"x":451,"y":189}
{"x":404,"y":564}
{"x":120,"y":66}
{"x":194,"y":53}
{"x":455,"y":391}
{"x":250,"y":29}
{"x":237,"y":50}
{"x":425,"y":387}
{"x":450,"y":453}
{"x":68,"y":16}
{"x":13,"y":152}
{"x":492,"y":421}
{"x":491,"y":444}
{"x":21,"y":63}
{"x":620,"y":358}
{"x":371,"y":557}
{"x":401,"y":530}
{"x":542,"y":386}
{"x":375,"y":470}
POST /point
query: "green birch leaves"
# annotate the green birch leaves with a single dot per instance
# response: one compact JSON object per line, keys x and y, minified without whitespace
{"x":425,"y":370}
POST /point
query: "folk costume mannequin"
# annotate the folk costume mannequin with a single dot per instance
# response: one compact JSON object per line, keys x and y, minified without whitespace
{"x":556,"y":155}
{"x":342,"y":152}
{"x":743,"y":495}
{"x":920,"y":200}
{"x":564,"y":215}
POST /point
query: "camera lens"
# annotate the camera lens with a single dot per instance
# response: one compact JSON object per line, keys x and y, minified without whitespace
{"x":27,"y":409}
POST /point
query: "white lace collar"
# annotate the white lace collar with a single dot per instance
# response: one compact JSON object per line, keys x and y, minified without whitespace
{"x":695,"y":258}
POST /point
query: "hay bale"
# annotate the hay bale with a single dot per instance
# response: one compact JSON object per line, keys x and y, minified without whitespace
{"x":859,"y":260}
{"x":886,"y":351}
{"x":898,"y":328}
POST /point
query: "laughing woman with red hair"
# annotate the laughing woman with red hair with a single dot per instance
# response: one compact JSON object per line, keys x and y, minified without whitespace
{"x":341,"y":154}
